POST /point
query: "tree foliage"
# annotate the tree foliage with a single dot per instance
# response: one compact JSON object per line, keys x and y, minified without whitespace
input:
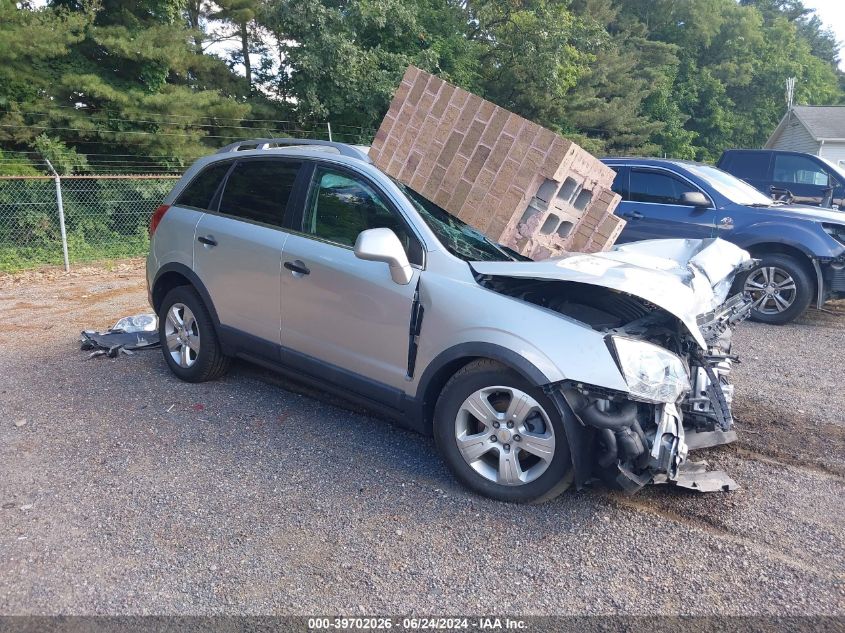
{"x":151,"y":78}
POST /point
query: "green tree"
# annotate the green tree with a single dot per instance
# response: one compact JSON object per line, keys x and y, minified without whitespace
{"x":533,"y":53}
{"x":734,"y":60}
{"x":622,"y":104}
{"x":30,"y":42}
{"x":238,"y":17}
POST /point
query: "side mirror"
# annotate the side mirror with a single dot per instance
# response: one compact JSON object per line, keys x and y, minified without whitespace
{"x":382,"y":245}
{"x":694,"y":199}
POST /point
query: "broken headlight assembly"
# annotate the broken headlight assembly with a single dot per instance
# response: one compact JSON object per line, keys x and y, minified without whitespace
{"x":652,"y":373}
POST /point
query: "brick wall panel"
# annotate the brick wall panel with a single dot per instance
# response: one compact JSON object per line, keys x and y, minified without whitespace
{"x":476,"y":162}
{"x":486,"y":110}
{"x":499,"y":152}
{"x":441,"y":198}
{"x":505,"y":175}
{"x":417,"y":89}
{"x":434,"y":181}
{"x":473,"y":136}
{"x":453,"y":175}
{"x":450,"y":148}
{"x":458,"y":198}
{"x":494,"y":128}
{"x":514,"y":124}
{"x":443,"y":96}
{"x":487,"y":165}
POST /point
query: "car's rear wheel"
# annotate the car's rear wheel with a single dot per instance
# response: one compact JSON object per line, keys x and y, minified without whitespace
{"x":780,"y":288}
{"x":188,"y":339}
{"x":501,"y":436}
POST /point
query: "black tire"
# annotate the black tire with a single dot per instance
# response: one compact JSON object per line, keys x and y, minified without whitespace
{"x":804,"y":288}
{"x":481,"y":374}
{"x":210,"y":362}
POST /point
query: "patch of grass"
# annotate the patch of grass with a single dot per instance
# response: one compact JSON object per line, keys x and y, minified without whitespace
{"x":15,"y":258}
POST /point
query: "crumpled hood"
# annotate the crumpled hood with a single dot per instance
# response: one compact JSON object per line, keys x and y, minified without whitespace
{"x":684,"y":277}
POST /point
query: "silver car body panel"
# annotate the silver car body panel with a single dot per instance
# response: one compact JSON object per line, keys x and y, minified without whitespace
{"x":459,"y":311}
{"x":174,"y":243}
{"x":346,"y":312}
{"x":242,"y":273}
{"x":177,"y":236}
{"x":684,"y":277}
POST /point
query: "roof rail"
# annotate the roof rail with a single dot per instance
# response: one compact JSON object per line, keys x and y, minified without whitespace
{"x":269,"y":143}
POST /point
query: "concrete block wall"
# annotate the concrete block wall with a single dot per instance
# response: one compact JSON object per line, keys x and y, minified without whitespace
{"x":519,"y":183}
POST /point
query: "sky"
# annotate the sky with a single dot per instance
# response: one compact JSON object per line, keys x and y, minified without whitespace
{"x":832,"y":13}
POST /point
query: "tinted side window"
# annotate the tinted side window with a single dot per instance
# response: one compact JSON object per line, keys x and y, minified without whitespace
{"x":341,"y":206}
{"x":799,"y":170}
{"x":259,"y":190}
{"x":620,"y":183}
{"x":202,"y":188}
{"x":748,"y":165}
{"x":649,"y":186}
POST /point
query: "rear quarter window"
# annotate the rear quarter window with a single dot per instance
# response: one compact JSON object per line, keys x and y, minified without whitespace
{"x":200,"y":191}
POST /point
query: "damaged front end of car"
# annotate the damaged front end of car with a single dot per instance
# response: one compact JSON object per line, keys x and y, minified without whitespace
{"x":665,"y":310}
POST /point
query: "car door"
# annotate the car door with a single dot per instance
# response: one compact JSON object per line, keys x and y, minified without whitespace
{"x":806,"y":178}
{"x":651,"y":206}
{"x":342,"y":316}
{"x":238,"y":251}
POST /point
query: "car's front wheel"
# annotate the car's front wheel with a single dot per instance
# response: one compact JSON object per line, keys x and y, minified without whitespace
{"x":188,"y":339}
{"x":501,"y":436}
{"x":780,"y":288}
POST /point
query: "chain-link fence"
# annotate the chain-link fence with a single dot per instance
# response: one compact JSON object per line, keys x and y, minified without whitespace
{"x":104,"y":217}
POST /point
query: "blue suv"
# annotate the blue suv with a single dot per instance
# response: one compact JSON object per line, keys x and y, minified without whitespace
{"x":801,"y":248}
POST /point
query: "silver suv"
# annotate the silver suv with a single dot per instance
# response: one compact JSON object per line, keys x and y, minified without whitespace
{"x":303,"y":257}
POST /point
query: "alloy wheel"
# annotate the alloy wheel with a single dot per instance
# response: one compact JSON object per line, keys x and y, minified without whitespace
{"x":182,"y":335}
{"x":505,"y":435}
{"x":772,"y":289}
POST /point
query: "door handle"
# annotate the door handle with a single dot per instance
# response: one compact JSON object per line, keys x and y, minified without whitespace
{"x":297,"y":267}
{"x":633,"y":215}
{"x":207,"y":240}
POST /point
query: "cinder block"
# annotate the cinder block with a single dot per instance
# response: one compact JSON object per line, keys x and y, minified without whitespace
{"x":521,"y":184}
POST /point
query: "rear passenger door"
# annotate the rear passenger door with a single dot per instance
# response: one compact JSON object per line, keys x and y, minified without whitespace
{"x":652,"y":208}
{"x":238,"y":251}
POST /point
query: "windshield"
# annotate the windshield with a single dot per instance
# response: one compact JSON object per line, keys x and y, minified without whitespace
{"x":734,"y":189}
{"x":837,"y":169}
{"x":457,"y":237}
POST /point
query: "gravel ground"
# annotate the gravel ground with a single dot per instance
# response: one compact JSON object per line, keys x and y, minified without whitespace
{"x":125,"y":491}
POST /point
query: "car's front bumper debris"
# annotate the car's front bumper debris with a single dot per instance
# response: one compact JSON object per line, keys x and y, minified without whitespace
{"x":636,"y":443}
{"x":695,"y":476}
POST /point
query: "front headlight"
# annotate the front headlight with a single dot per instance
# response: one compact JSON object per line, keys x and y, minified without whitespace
{"x":652,"y":373}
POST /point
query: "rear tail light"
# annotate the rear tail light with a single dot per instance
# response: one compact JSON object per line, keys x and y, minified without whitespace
{"x":158,"y":214}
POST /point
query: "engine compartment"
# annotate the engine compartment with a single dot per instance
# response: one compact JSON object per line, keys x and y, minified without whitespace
{"x":600,"y":308}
